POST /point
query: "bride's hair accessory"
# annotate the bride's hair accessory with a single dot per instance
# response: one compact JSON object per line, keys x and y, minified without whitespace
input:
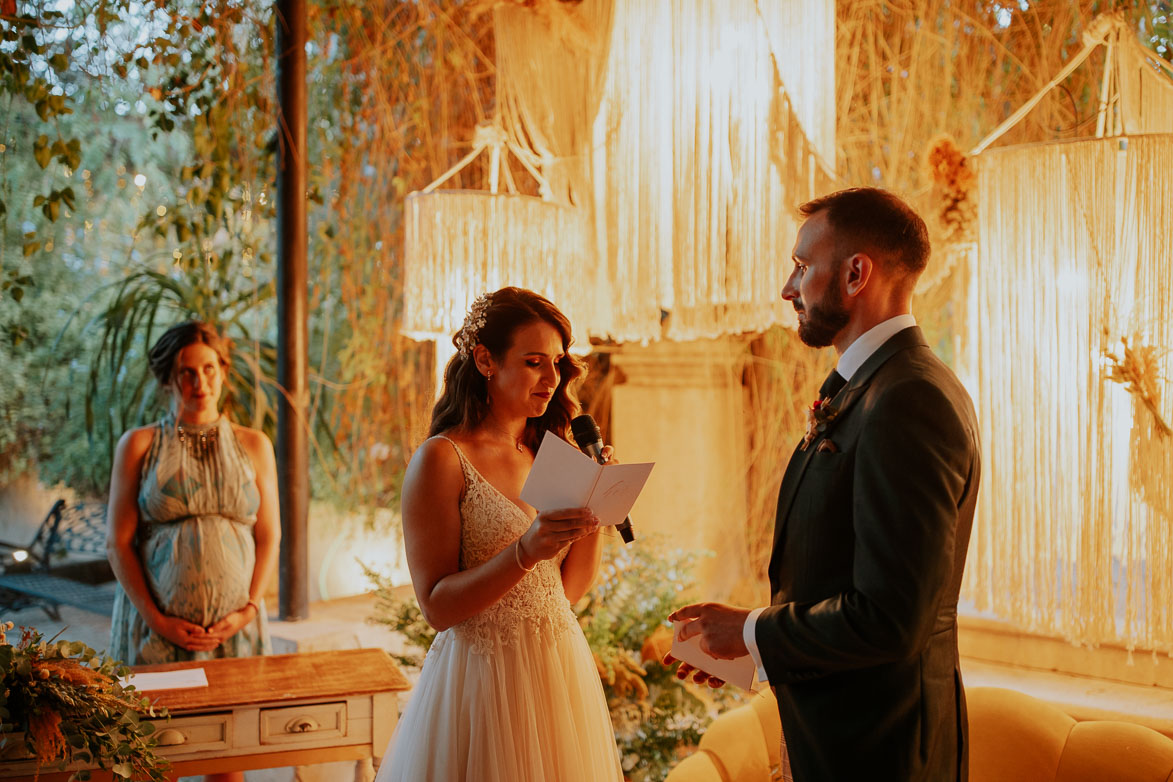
{"x":466,"y":338}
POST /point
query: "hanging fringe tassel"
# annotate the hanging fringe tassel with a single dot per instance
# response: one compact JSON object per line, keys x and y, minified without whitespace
{"x":464,"y":243}
{"x":1073,"y":536}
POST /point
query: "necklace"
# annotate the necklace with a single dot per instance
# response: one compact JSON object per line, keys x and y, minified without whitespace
{"x":516,"y":442}
{"x":199,"y":440}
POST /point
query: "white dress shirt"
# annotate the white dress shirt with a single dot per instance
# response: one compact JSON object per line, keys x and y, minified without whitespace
{"x":852,"y":359}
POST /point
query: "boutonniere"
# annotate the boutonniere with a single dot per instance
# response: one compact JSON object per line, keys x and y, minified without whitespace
{"x":818,"y":418}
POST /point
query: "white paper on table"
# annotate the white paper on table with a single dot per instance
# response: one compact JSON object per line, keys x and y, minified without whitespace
{"x":167,"y":680}
{"x":739,"y":670}
{"x":564,"y":477}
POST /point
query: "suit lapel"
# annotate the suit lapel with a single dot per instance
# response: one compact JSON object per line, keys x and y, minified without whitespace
{"x":847,"y":396}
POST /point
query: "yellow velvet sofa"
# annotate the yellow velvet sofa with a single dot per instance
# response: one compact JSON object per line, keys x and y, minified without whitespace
{"x":1013,"y":738}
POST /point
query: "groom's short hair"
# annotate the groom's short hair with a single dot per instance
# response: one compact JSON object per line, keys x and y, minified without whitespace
{"x":876,"y":222}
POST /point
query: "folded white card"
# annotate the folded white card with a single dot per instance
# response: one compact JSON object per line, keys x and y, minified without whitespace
{"x":564,"y":477}
{"x":167,"y":680}
{"x":739,"y":670}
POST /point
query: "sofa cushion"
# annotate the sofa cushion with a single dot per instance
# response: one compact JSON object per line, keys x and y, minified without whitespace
{"x":737,"y":746}
{"x":766,"y":707}
{"x":1014,"y":737}
{"x":1120,"y":751}
{"x":700,"y":766}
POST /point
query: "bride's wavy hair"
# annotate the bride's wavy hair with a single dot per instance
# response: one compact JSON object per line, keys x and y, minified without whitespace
{"x":493,"y":321}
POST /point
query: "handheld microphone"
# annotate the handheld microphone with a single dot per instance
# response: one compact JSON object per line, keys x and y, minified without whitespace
{"x":590,"y":439}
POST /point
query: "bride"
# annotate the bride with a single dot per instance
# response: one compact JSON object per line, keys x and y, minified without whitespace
{"x":509,"y":691}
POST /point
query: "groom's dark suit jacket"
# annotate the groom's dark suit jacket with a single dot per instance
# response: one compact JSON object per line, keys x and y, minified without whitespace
{"x":870,"y":538}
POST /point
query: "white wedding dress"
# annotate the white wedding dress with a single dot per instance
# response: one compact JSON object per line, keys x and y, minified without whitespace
{"x":511,"y":694}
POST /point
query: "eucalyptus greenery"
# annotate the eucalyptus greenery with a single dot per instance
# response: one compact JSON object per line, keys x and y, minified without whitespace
{"x":67,"y":706}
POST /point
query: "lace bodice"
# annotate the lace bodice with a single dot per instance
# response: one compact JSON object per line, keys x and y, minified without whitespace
{"x":489,"y":522}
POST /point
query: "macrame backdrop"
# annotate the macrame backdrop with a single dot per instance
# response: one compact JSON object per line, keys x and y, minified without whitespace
{"x":801,"y":35}
{"x":460,"y":243}
{"x":1074,"y":264}
{"x":670,"y":125}
{"x":550,"y":62}
{"x":470,"y":242}
{"x":700,"y":160}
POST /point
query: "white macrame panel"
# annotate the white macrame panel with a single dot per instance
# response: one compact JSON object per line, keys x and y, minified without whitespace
{"x":550,"y":61}
{"x":699,"y":162}
{"x":802,"y":40}
{"x":1146,"y":91}
{"x":1074,"y":534}
{"x":461,"y":243}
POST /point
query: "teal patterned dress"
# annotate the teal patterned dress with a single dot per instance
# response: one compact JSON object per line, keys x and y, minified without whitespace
{"x":197,"y":506}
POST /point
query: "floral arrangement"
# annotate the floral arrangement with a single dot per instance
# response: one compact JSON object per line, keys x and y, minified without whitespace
{"x":70,"y":707}
{"x":658,"y":719}
{"x":953,"y":182}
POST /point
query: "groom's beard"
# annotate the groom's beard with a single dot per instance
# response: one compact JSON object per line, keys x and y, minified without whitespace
{"x":824,"y":320}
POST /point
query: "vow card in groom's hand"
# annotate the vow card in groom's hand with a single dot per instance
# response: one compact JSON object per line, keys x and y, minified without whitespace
{"x":739,"y":670}
{"x":565,"y":477}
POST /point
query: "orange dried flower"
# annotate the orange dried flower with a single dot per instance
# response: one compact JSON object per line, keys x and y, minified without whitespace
{"x":659,"y":643}
{"x":68,"y":670}
{"x":629,"y":678}
{"x":953,"y":180}
{"x":45,"y":731}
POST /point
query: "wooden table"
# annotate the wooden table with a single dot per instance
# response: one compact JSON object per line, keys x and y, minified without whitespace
{"x":270,"y":712}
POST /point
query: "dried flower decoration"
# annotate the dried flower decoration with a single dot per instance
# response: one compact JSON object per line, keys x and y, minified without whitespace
{"x":1136,"y":369}
{"x":818,"y":417}
{"x":468,"y":336}
{"x":72,"y":706}
{"x":953,"y":182}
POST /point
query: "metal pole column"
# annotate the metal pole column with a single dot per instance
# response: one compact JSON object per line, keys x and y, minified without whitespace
{"x":292,"y":338}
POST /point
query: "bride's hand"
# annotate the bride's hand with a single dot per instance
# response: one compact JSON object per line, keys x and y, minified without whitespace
{"x":554,"y":530}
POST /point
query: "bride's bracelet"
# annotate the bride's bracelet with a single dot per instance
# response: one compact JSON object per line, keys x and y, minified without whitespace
{"x":517,"y":557}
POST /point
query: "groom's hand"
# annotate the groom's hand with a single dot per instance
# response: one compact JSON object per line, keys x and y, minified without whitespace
{"x":720,"y":628}
{"x":700,"y":677}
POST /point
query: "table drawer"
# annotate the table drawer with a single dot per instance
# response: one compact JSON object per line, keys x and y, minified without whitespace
{"x":310,"y":722}
{"x":197,"y":733}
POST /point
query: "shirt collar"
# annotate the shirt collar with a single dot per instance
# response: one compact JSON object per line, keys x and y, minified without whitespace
{"x":869,"y":342}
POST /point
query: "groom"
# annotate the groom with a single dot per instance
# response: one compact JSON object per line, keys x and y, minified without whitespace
{"x":873,"y":519}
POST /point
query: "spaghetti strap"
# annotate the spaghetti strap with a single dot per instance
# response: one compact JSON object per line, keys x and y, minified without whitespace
{"x":467,"y":469}
{"x":459,"y":452}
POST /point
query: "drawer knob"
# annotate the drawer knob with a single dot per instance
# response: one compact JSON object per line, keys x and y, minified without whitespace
{"x":301,"y":725}
{"x":171,"y":737}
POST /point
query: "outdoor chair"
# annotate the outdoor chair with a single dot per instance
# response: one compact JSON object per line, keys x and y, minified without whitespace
{"x":64,"y":564}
